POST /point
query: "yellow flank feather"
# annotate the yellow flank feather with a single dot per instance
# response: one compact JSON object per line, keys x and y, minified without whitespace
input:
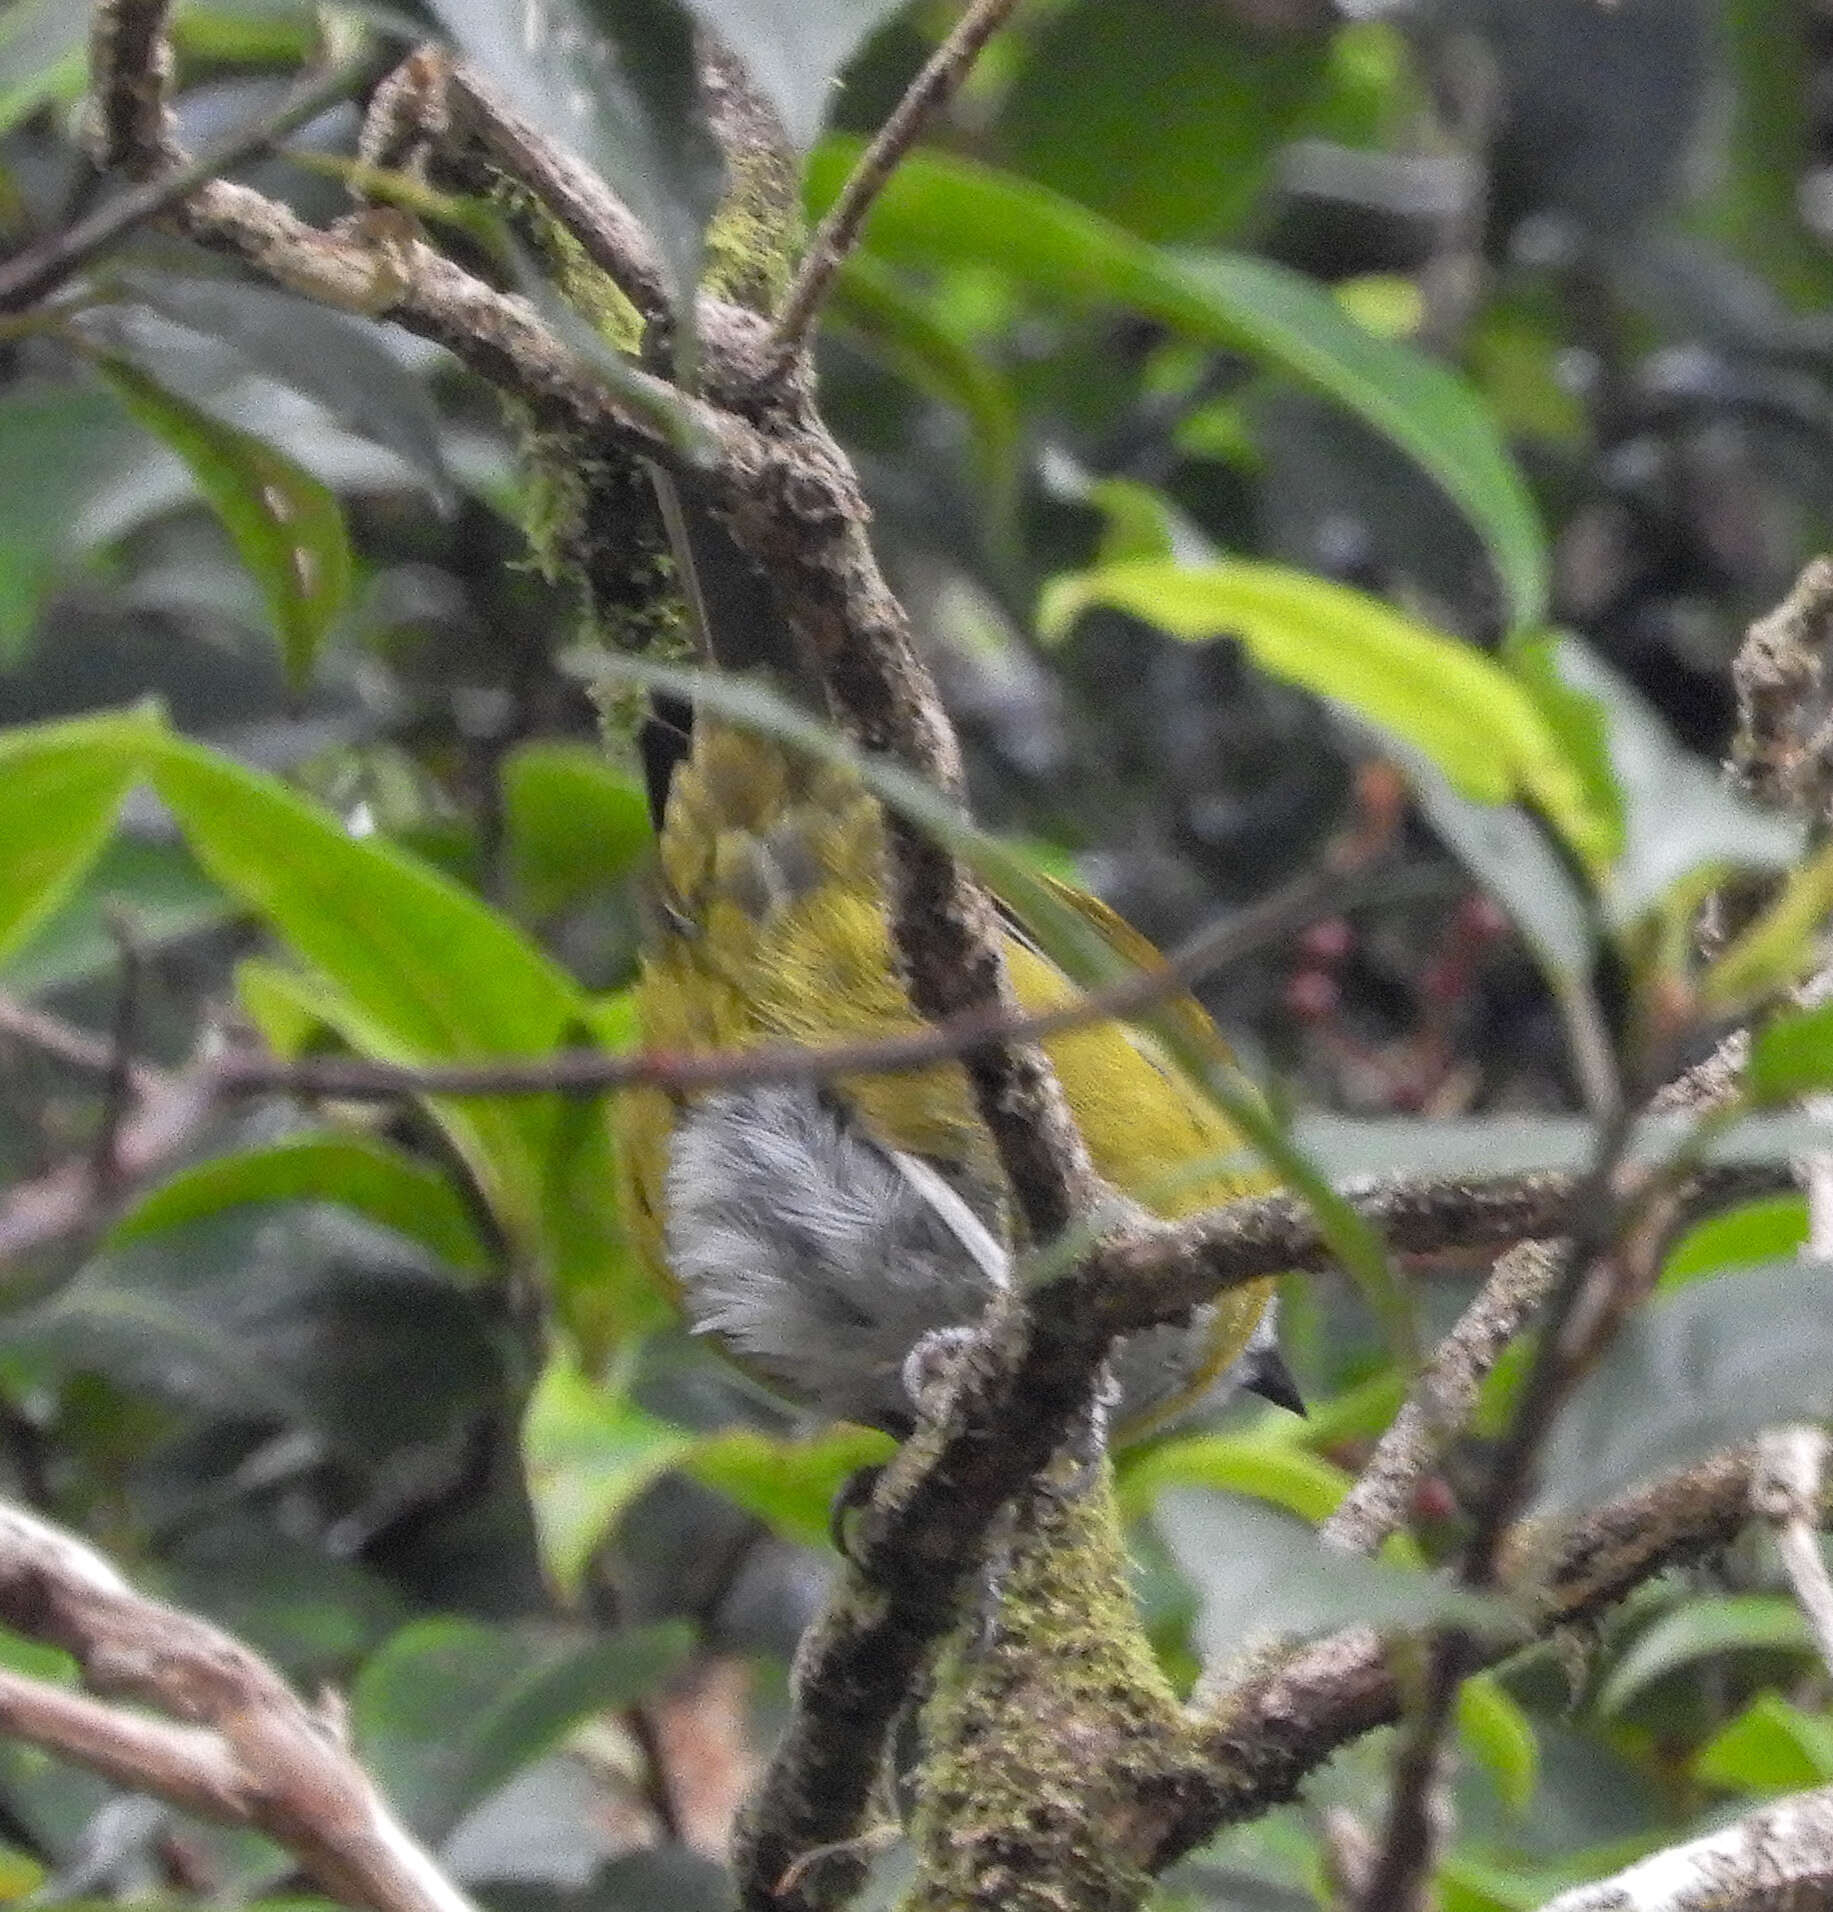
{"x":767,"y":926}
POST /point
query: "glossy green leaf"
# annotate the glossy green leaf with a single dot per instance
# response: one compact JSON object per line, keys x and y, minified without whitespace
{"x":589,"y":1452}
{"x":356,"y":1172}
{"x":1772,"y":1746}
{"x":1449,"y":702}
{"x":70,"y":438}
{"x":790,"y":1485}
{"x":575,"y":822}
{"x":1699,"y":1368}
{"x":1702,"y":1629}
{"x":288,"y":529}
{"x":940,"y":211}
{"x":60,"y":787}
{"x":448,"y":1710}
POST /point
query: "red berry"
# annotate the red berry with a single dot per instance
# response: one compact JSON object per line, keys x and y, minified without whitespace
{"x":1311,"y":995}
{"x":1327,"y":943}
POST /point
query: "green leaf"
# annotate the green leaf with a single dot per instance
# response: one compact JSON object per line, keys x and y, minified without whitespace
{"x":1700,"y":1368}
{"x":341,"y":362}
{"x":575,"y":822}
{"x":152,"y":885}
{"x":356,"y":1172}
{"x":1448,"y":701}
{"x":615,"y":82}
{"x":589,"y":1452}
{"x":1283,"y":1475}
{"x":794,"y":54}
{"x":1683,"y":825}
{"x":288,"y":529}
{"x":940,"y":211}
{"x":448,"y":1710}
{"x":1782,"y":945}
{"x":1261,"y":1573}
{"x":70,"y":438}
{"x":1224,"y":95}
{"x":790,"y":1485}
{"x":1500,"y":1736}
{"x":1772,"y":1746}
{"x":1704,"y":1628}
{"x":1773,"y":1229}
{"x":43,"y":56}
{"x":1791,"y":1055}
{"x":60,"y":787}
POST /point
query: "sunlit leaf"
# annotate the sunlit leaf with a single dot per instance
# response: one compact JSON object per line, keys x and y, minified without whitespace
{"x":1772,"y":1746}
{"x":575,"y":822}
{"x":938,"y":211}
{"x":1462,"y":712}
{"x":789,"y":1484}
{"x":1499,"y":1734}
{"x":1772,"y":1229}
{"x":1283,"y":1475}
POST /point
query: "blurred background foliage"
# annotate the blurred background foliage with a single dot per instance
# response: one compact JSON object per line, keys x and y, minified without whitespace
{"x":303,"y":1383}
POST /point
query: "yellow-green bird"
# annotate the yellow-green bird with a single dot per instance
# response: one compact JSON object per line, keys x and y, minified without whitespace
{"x":821,"y":1232}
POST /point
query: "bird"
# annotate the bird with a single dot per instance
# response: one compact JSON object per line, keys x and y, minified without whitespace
{"x":823,"y":1233}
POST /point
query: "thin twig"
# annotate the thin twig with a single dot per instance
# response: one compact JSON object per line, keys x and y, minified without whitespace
{"x":244,"y":1749}
{"x":1442,"y":1399}
{"x":118,"y":1089}
{"x":43,"y":267}
{"x":838,"y":232}
{"x":1786,"y":1490}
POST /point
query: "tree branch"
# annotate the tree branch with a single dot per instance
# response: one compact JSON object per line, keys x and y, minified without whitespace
{"x":245,"y":1749}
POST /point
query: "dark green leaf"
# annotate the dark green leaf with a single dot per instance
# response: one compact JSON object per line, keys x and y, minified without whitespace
{"x":1224,"y":94}
{"x":614,"y":82}
{"x":356,"y":1172}
{"x":575,"y":822}
{"x":60,"y":786}
{"x":1702,"y":1629}
{"x":450,"y":1709}
{"x":1699,"y":1368}
{"x":1261,"y":1574}
{"x":287,"y":528}
{"x":339,"y":361}
{"x":938,"y":211}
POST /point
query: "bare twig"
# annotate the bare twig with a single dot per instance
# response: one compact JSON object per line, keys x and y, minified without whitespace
{"x":1776,"y":1859}
{"x":42,"y":268}
{"x":1442,"y":1400}
{"x":244,"y":1750}
{"x":1786,"y":1491}
{"x":838,"y":232}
